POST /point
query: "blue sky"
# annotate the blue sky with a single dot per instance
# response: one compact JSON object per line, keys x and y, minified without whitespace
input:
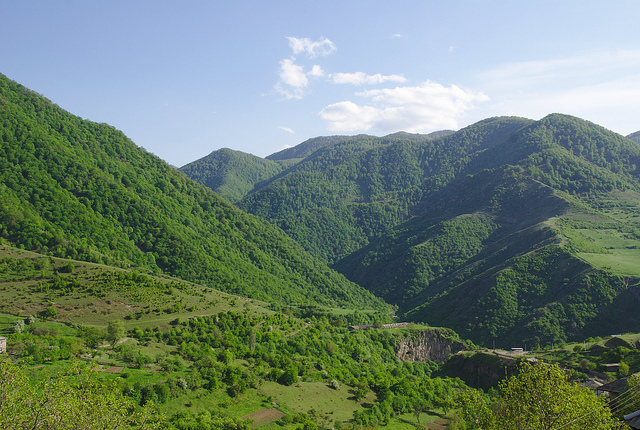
{"x":184,"y":78}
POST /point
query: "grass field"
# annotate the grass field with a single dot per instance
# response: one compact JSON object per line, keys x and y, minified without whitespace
{"x":623,"y":251}
{"x":93,"y":294}
{"x":304,"y":396}
{"x":613,"y":233}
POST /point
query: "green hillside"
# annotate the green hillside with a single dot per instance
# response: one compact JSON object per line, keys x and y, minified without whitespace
{"x":231,"y":174}
{"x":540,"y":251}
{"x":343,"y":196}
{"x":634,"y":136}
{"x":196,"y":352}
{"x":307,"y":148}
{"x":435,"y":226}
{"x":77,"y":189}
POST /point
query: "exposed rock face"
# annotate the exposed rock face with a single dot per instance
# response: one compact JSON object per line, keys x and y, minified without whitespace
{"x":431,"y":345}
{"x":479,"y":370}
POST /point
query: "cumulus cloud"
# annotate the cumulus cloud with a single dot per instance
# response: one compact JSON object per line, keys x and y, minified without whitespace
{"x":316,"y":72}
{"x":429,"y":106}
{"x":293,"y":78}
{"x":321,"y":47}
{"x":292,"y":74}
{"x":360,"y":78}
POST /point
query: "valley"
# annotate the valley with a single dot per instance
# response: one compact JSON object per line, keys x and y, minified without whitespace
{"x":226,"y":294}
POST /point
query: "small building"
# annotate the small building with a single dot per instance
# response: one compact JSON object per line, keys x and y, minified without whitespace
{"x":613,"y":389}
{"x":632,"y":420}
{"x":3,"y":345}
{"x":611,"y":367}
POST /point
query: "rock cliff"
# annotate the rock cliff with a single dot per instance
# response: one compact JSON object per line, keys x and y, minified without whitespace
{"x":433,"y":345}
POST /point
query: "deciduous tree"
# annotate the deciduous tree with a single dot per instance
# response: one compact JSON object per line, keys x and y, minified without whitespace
{"x":540,"y":397}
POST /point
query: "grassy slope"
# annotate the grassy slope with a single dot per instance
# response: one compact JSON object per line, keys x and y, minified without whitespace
{"x":94,"y":294}
{"x":88,"y":304}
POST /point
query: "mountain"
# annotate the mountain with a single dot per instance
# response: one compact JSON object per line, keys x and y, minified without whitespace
{"x":77,"y":189}
{"x":307,"y":148}
{"x":347,"y":194}
{"x":509,"y":230}
{"x":231,"y":174}
{"x":634,"y":136}
{"x":234,"y":174}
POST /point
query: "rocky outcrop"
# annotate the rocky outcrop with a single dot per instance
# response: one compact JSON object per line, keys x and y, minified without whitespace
{"x":431,"y":345}
{"x":479,"y":369}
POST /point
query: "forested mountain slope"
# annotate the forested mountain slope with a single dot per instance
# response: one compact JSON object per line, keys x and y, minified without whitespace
{"x":234,"y":174}
{"x":528,"y":249}
{"x":344,"y":195}
{"x":634,"y":136}
{"x":509,"y":229}
{"x":74,"y":188}
{"x":231,"y":174}
{"x":308,"y":147}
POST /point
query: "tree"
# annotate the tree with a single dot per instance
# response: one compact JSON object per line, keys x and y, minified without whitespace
{"x":50,"y":312}
{"x":290,"y":375}
{"x":540,"y":397}
{"x":115,"y":331}
{"x":627,"y":402}
{"x":623,"y":369}
{"x":252,"y":339}
{"x":18,"y":326}
{"x":71,"y":400}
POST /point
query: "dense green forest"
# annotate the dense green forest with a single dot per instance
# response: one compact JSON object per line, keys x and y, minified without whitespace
{"x":634,"y":136}
{"x":342,"y":196}
{"x":231,"y":174}
{"x":78,"y":189}
{"x":434,"y":224}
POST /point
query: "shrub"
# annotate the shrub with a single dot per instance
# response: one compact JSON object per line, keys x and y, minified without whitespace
{"x":67,"y":268}
{"x":18,"y":326}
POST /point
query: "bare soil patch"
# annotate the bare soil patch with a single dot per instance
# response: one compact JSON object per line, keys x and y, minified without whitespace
{"x":264,"y":416}
{"x":112,"y":369}
{"x":439,"y":424}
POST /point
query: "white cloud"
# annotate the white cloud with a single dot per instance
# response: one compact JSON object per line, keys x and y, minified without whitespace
{"x":348,"y":116}
{"x":321,"y":47}
{"x":292,"y":74}
{"x":429,"y":106}
{"x":360,"y":78}
{"x":316,"y":71}
{"x":591,"y":67}
{"x":287,"y":129}
{"x":294,"y":80}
